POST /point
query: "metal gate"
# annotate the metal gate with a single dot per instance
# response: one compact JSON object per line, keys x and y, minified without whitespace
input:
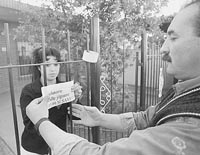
{"x":109,"y":97}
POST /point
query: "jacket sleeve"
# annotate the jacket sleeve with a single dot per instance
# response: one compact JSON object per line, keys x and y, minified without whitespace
{"x":144,"y":142}
{"x":25,"y":99}
{"x":136,"y":120}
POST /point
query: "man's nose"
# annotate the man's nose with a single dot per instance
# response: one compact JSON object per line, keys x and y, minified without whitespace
{"x":165,"y":52}
{"x":164,"y":49}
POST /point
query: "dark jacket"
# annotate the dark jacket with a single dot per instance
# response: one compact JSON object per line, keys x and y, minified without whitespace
{"x":31,"y":140}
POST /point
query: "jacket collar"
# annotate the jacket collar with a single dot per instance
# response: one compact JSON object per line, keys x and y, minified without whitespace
{"x":183,"y":86}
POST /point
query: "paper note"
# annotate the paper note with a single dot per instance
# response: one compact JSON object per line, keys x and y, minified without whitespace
{"x":59,"y":93}
{"x":161,"y":82}
{"x":90,"y":56}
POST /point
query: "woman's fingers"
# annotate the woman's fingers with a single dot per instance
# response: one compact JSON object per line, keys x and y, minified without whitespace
{"x":76,"y":87}
{"x":78,"y":93}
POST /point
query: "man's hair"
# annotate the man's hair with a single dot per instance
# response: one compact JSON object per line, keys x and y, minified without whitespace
{"x":197,"y":16}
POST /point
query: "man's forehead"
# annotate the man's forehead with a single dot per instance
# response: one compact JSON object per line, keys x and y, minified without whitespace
{"x":183,"y":20}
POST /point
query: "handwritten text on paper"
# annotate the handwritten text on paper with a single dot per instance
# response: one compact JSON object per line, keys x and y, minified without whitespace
{"x":59,"y":93}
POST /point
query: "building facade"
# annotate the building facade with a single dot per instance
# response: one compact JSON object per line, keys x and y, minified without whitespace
{"x":10,"y":12}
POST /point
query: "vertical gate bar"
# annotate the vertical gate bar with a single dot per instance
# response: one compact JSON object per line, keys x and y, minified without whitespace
{"x":8,"y":53}
{"x":44,"y":66}
{"x":68,"y":77}
{"x":88,"y":94}
{"x":159,"y":65}
{"x":147,"y":74}
{"x":135,"y":107}
{"x":151,"y":75}
{"x":154,"y":70}
{"x":123,"y":76}
{"x":88,"y":83}
{"x":95,"y":73}
{"x":123,"y":83}
{"x":44,"y":56}
{"x":143,"y":70}
{"x":111,"y":86}
{"x":157,"y":75}
{"x":76,"y":77}
{"x":157,"y":72}
{"x":68,"y":56}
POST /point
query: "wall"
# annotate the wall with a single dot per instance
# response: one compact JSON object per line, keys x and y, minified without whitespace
{"x":4,"y":80}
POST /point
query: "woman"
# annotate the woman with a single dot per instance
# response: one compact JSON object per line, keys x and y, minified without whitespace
{"x":32,"y":143}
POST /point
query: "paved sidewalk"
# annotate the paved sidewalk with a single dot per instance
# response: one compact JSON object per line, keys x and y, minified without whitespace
{"x":5,"y":149}
{"x":7,"y":132}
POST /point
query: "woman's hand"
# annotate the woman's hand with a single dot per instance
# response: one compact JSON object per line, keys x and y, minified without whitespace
{"x":77,"y":91}
{"x":90,"y":116}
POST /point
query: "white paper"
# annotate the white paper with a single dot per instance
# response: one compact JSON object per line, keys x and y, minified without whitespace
{"x":161,"y":82}
{"x":59,"y":93}
{"x":90,"y":56}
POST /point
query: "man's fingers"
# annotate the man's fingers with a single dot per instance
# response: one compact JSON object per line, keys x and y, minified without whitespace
{"x":90,"y":109}
{"x":76,"y":114}
{"x":77,"y":111}
{"x":77,"y":106}
{"x":81,"y":107}
{"x":77,"y":122}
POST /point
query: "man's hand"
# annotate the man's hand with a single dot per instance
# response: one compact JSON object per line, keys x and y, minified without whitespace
{"x":90,"y":116}
{"x":37,"y":109}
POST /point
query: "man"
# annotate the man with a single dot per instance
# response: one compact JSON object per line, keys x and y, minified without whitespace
{"x":171,"y":127}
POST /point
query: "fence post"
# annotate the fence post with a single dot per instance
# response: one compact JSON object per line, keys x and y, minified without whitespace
{"x":143,"y":70}
{"x":135,"y":107}
{"x":88,"y":84}
{"x":68,"y":76}
{"x":68,"y":72}
{"x":12,"y":88}
{"x":44,"y":56}
{"x":95,"y":73}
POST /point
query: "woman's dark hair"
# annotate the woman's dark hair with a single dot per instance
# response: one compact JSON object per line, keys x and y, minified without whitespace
{"x":38,"y":58}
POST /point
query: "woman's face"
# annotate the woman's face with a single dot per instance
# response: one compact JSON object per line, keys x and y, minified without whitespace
{"x":52,"y":70}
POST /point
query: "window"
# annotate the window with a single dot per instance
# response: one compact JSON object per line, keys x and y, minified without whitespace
{"x":24,"y":50}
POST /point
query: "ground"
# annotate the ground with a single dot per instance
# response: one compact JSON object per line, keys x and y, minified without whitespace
{"x":7,"y":132}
